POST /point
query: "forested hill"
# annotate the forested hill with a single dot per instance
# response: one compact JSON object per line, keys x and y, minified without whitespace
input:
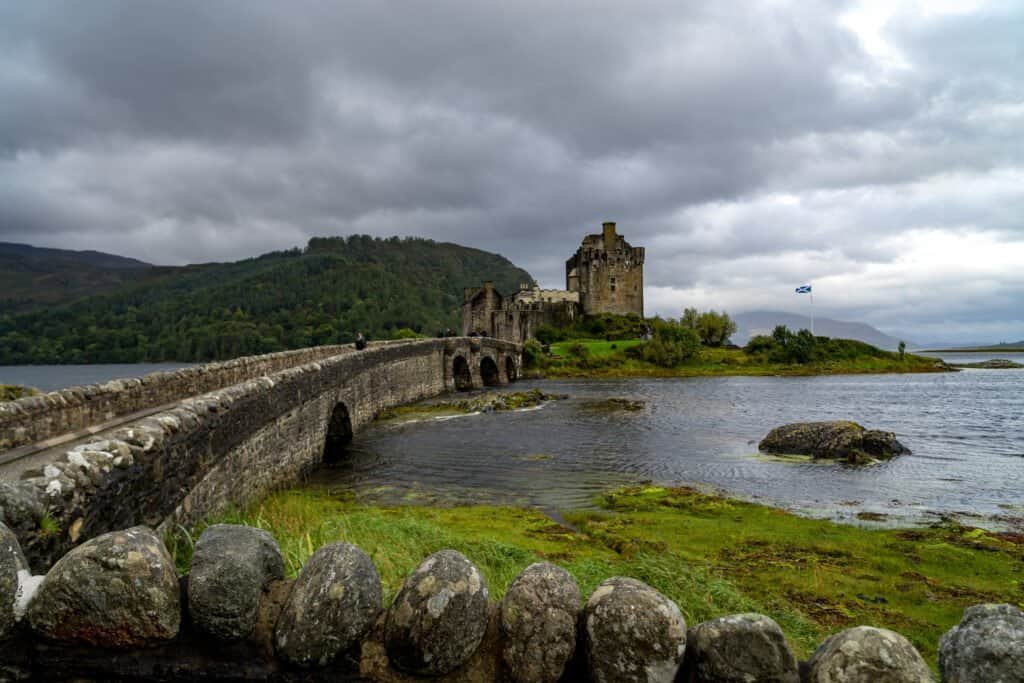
{"x":34,"y":276}
{"x":322,"y":294}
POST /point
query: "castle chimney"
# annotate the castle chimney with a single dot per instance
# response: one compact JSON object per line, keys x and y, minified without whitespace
{"x":609,"y":235}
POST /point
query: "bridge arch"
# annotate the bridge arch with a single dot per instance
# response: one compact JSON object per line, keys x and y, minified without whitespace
{"x":339,"y":434}
{"x":510,"y":369}
{"x":489,"y":372}
{"x":461,"y":373}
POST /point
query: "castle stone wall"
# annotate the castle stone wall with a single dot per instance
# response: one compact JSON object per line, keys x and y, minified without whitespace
{"x":608,"y":273}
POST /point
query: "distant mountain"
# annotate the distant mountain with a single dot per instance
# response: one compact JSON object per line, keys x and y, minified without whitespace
{"x":322,"y":294}
{"x":34,"y":276}
{"x":763,"y":322}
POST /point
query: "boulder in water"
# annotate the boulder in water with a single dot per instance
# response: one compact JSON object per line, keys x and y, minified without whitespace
{"x":836,"y":440}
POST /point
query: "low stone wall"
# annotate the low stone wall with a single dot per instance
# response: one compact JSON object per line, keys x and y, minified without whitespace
{"x":114,"y":608}
{"x":36,"y":418}
{"x":227,"y":446}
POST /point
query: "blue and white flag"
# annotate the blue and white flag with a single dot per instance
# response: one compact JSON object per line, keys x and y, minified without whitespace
{"x":803,"y":289}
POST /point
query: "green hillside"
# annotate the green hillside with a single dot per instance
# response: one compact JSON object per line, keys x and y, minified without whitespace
{"x":322,"y":294}
{"x":31,"y":277}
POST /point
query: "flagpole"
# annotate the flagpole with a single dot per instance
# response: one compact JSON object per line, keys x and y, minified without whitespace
{"x":812,"y":311}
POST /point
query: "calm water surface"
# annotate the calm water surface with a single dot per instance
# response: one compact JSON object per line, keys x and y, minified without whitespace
{"x":966,"y":431}
{"x":53,"y":377}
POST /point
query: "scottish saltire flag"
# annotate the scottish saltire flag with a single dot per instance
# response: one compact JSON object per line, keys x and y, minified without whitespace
{"x":803,"y":289}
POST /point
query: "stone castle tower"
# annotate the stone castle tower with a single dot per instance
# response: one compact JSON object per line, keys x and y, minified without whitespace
{"x":608,"y":273}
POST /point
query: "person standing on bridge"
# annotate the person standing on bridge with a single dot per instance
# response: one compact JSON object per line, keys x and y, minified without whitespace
{"x":360,"y":341}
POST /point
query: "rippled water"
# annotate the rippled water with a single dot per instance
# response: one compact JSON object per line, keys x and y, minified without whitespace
{"x":965,"y":429}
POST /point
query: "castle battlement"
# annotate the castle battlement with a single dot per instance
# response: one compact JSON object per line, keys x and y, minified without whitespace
{"x":605,"y":275}
{"x":608,"y":273}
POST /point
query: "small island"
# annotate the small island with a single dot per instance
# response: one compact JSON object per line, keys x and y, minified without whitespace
{"x":697,"y":345}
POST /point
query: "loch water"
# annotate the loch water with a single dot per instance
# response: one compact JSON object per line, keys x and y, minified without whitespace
{"x":966,"y":431}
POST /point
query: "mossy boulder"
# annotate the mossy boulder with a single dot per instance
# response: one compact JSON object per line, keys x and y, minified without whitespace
{"x":987,"y":645}
{"x":231,"y":566}
{"x":632,"y":633}
{"x":538,"y":619}
{"x":867,"y":655}
{"x":439,"y":617}
{"x":835,"y":440}
{"x":118,"y":590}
{"x":739,"y":648}
{"x":331,"y":607}
{"x":11,"y":562}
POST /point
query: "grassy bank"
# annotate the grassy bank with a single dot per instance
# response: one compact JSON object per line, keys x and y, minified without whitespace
{"x":712,"y":555}
{"x":599,"y":358}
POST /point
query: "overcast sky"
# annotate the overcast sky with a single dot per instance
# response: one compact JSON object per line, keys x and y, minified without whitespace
{"x":874,"y":149}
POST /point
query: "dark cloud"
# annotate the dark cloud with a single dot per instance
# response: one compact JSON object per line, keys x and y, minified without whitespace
{"x":870,"y":147}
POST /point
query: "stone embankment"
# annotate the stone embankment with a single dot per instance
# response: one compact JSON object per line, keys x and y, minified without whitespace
{"x":837,"y":440}
{"x":114,"y":608}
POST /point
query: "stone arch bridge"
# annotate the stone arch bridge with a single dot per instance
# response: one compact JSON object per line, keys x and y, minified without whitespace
{"x":173,"y":447}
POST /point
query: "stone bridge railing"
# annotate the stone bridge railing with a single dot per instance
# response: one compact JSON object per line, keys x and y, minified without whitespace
{"x":36,"y":418}
{"x":233,"y":444}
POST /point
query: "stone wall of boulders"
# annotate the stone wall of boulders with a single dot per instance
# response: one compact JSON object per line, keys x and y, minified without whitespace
{"x":36,"y":418}
{"x":114,"y":608}
{"x":227,"y":446}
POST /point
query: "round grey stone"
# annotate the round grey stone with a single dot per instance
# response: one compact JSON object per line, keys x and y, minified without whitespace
{"x":439,"y":616}
{"x":12,"y":560}
{"x":20,"y":506}
{"x":331,"y":606}
{"x":867,"y":655}
{"x":538,"y":620}
{"x":741,"y":648}
{"x":987,"y":645}
{"x":230,"y":567}
{"x":633,"y":633}
{"x":118,"y":590}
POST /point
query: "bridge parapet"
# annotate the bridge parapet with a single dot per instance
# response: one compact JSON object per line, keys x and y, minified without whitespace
{"x":36,"y":418}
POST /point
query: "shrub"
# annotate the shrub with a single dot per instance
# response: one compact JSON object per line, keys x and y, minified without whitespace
{"x":672,"y":344}
{"x":715,"y":328}
{"x":533,"y":354}
{"x":760,"y":343}
{"x":549,"y":334}
{"x":404,"y":333}
{"x":578,"y":350}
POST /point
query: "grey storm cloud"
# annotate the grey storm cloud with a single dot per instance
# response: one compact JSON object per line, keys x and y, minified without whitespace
{"x":870,"y":147}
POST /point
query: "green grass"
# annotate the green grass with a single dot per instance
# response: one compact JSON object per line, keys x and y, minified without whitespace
{"x":712,"y":555}
{"x":12,"y":392}
{"x":600,"y":359}
{"x":595,"y":348}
